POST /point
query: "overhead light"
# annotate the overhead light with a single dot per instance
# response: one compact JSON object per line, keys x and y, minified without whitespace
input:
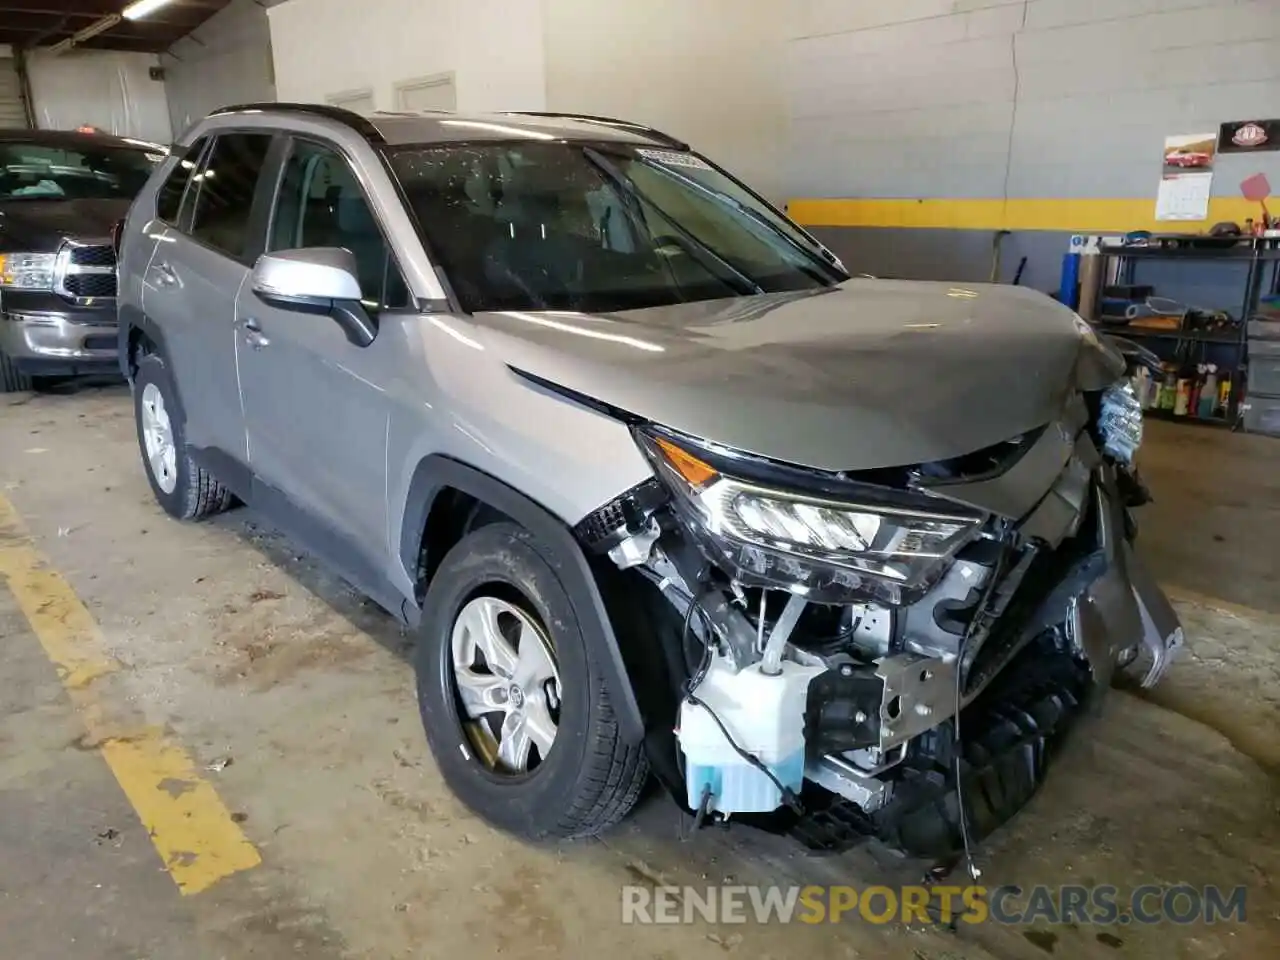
{"x":142,"y":8}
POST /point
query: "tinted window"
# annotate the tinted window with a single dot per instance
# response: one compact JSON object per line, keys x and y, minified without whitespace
{"x":38,"y":171}
{"x":226,"y":185}
{"x":572,"y":226}
{"x":322,"y":205}
{"x":169,"y":198}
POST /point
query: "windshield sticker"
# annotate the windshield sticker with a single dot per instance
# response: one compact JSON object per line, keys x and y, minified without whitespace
{"x":674,"y":158}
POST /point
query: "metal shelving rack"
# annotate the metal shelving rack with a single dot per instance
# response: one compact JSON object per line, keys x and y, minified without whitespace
{"x":1261,"y":255}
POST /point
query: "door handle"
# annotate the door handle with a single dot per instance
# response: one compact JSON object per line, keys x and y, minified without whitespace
{"x":165,"y":277}
{"x":253,"y":334}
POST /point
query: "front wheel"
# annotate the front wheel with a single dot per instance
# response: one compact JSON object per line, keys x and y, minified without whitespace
{"x":515,"y":708}
{"x":12,"y":380}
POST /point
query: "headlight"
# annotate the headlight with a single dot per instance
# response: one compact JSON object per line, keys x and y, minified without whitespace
{"x":26,"y":271}
{"x":1120,"y":422}
{"x":834,"y":550}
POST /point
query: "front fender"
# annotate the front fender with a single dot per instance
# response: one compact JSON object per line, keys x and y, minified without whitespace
{"x":437,"y":473}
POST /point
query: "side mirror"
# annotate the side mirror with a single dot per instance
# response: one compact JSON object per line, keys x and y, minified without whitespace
{"x":319,"y":280}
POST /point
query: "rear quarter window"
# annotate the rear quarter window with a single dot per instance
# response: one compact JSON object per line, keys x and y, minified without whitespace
{"x":169,"y":199}
{"x":227,"y":183}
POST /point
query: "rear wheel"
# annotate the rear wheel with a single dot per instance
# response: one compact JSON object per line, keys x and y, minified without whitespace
{"x":11,"y":379}
{"x":515,"y":708}
{"x":182,"y":488}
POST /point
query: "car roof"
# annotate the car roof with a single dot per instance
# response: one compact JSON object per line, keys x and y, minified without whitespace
{"x":398,"y":128}
{"x":70,"y":138}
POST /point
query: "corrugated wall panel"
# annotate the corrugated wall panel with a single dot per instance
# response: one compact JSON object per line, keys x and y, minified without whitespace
{"x":11,"y":112}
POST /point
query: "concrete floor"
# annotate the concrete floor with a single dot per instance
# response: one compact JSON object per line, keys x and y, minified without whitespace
{"x":238,"y":647}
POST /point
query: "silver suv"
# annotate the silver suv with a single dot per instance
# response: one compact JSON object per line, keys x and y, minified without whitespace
{"x":658,"y":485}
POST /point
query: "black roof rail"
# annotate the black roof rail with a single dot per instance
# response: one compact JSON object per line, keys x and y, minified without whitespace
{"x":352,"y":119}
{"x":611,"y":121}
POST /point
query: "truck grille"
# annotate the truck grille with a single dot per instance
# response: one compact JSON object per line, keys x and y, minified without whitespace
{"x":91,"y":284}
{"x":89,"y":271}
{"x":93,"y":256}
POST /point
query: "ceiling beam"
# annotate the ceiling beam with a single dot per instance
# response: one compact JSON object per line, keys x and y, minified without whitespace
{"x":9,"y":13}
{"x":40,"y":26}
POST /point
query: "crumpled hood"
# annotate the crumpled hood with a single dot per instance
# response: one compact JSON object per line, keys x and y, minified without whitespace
{"x":870,"y":374}
{"x":40,"y":225}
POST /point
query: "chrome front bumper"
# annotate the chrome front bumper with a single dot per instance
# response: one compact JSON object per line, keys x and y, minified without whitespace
{"x":36,"y":339}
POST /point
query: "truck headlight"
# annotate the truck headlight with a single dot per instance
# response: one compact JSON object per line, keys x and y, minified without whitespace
{"x":26,"y":271}
{"x":833,"y":550}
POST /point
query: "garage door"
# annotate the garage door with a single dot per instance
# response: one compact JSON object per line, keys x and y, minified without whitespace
{"x":11,"y":112}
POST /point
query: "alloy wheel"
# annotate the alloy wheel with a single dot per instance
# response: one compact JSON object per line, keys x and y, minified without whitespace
{"x":157,"y":437}
{"x":508,"y":684}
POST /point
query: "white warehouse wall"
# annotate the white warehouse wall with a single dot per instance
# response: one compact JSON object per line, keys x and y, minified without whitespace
{"x":493,"y":47}
{"x":707,"y":71}
{"x":1039,"y":98}
{"x":107,"y":89}
{"x":224,"y":61}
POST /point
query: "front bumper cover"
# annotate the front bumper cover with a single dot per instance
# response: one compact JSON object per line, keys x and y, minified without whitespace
{"x":1123,"y":617}
{"x":54,"y":342}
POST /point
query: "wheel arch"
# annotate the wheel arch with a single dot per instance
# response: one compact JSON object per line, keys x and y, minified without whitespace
{"x":134,"y":326}
{"x":438,"y":476}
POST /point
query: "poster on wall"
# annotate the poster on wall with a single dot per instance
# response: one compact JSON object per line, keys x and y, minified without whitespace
{"x":1187,"y":179}
{"x":1249,"y":136}
{"x":1188,"y":152}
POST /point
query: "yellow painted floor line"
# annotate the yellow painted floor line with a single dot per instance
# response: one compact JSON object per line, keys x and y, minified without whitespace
{"x":192,"y":829}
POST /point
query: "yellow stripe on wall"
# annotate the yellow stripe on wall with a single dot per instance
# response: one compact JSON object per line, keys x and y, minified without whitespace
{"x":1069,"y":216}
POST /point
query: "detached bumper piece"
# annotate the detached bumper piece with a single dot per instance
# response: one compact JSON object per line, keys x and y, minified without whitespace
{"x":1009,"y":735}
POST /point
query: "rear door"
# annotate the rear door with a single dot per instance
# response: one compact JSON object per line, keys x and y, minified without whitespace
{"x":194,"y":276}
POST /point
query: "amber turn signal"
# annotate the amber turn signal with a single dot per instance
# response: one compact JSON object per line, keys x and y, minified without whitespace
{"x":695,"y":473}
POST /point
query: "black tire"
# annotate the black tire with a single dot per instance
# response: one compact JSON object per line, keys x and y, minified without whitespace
{"x":196,"y":493}
{"x":11,"y":379}
{"x":591,"y":778}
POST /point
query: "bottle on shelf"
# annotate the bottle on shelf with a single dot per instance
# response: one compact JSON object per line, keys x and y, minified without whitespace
{"x":1208,"y":392}
{"x":1168,"y":394}
{"x":1182,"y":400}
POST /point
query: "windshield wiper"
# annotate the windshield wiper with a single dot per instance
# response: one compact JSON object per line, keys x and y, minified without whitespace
{"x":605,"y":166}
{"x":830,"y":269}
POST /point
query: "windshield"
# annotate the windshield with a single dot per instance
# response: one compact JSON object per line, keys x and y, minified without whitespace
{"x":598,"y":228}
{"x":42,"y":172}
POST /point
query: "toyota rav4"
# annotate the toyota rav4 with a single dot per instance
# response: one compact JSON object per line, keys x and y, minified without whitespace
{"x":658,"y":485}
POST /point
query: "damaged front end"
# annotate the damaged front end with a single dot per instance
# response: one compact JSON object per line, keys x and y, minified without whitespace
{"x":854,"y":642}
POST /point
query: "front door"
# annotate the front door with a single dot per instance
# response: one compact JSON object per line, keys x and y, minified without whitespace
{"x":192,"y":282}
{"x":316,"y":415}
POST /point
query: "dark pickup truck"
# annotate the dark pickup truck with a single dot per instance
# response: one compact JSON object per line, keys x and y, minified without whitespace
{"x":61,"y":195}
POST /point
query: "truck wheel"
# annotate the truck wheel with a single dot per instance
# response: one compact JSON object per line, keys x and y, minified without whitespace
{"x":183,"y":489}
{"x":515,"y":708}
{"x":11,"y":380}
